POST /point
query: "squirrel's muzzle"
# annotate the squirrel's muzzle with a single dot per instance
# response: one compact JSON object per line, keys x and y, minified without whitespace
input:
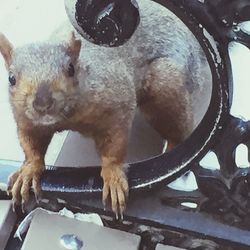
{"x":44,"y":101}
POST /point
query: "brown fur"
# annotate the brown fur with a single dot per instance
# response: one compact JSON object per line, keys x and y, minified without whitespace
{"x":6,"y":49}
{"x":164,"y":113}
{"x":34,"y":144}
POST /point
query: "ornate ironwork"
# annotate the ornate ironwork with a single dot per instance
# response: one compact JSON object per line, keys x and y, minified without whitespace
{"x":221,"y":17}
{"x":224,"y":193}
{"x":228,"y":189}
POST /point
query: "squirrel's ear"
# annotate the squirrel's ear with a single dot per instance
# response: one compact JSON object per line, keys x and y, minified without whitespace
{"x":6,"y":49}
{"x":74,"y":46}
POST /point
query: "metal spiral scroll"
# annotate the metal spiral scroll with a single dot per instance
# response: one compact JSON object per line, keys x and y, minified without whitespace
{"x":104,"y":22}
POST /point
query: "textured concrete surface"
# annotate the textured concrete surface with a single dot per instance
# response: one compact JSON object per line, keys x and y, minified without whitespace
{"x":46,"y":230}
{"x":7,"y":222}
{"x":164,"y":247}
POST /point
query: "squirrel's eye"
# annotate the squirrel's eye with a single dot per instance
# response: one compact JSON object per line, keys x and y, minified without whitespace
{"x":12,"y":79}
{"x":71,"y":70}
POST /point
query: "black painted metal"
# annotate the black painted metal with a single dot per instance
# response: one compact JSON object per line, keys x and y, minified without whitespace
{"x":227,"y":189}
{"x":109,"y":23}
{"x":222,"y":193}
{"x":221,"y":17}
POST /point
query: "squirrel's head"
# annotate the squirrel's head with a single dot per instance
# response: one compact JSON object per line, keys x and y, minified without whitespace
{"x":42,"y":79}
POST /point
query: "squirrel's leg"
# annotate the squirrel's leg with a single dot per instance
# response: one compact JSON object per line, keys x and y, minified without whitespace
{"x":112,"y":147}
{"x":34,"y":144}
{"x":167,"y":100}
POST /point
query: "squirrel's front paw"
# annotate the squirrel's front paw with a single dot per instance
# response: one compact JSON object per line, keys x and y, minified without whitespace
{"x":115,"y":183}
{"x":20,"y":182}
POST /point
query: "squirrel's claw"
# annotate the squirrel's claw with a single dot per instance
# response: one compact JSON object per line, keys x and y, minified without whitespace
{"x":11,"y":180}
{"x":15,"y":203}
{"x":115,"y":184}
{"x":36,"y":188}
{"x":20,"y":183}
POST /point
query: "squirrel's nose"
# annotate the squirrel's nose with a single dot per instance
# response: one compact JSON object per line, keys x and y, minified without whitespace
{"x":43,"y":101}
{"x":42,"y":106}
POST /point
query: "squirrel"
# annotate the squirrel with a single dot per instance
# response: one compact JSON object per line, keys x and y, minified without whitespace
{"x":76,"y":85}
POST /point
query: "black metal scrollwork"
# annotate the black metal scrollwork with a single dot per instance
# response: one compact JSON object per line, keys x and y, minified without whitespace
{"x":224,"y":193}
{"x":228,"y":190}
{"x":221,"y":18}
{"x":108,"y":23}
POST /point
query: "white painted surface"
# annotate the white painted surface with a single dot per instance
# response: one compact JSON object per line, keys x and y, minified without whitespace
{"x":210,"y":161}
{"x":241,"y":156}
{"x":23,"y":21}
